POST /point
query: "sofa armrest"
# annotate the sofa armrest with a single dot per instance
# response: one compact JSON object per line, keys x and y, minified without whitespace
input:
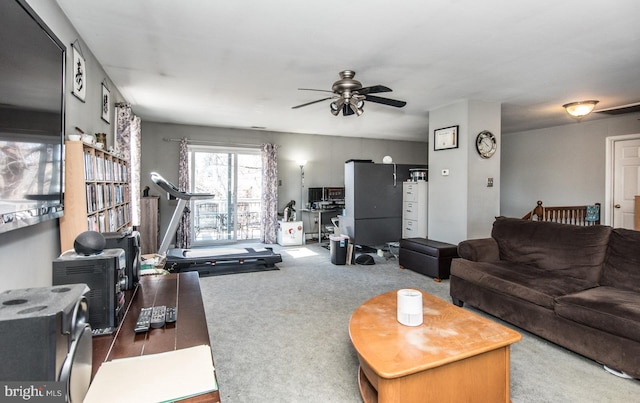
{"x":479,"y":250}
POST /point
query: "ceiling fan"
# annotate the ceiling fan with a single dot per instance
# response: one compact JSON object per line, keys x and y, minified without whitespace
{"x":349,"y":95}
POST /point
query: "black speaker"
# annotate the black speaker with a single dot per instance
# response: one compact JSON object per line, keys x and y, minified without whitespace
{"x":104,"y":273}
{"x":89,"y":243}
{"x":130,"y":243}
{"x":46,"y":337}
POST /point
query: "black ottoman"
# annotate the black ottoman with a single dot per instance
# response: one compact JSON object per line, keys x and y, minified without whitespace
{"x":426,"y":256}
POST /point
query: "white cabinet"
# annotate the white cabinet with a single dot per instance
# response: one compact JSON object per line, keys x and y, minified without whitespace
{"x":414,"y":209}
{"x":290,"y":233}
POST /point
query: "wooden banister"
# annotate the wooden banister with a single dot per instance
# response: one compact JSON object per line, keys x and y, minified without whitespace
{"x":574,"y":215}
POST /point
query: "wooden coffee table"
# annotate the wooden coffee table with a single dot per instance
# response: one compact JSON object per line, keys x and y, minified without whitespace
{"x":454,"y":356}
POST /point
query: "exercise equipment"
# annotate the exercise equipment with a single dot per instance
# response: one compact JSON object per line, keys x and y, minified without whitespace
{"x":207,"y":261}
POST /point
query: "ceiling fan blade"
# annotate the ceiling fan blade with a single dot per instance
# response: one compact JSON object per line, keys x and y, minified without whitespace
{"x":386,"y":101}
{"x":313,"y":89}
{"x":374,"y":89}
{"x":310,"y":103}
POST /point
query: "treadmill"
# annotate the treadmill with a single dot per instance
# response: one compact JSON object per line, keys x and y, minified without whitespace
{"x":208,"y":261}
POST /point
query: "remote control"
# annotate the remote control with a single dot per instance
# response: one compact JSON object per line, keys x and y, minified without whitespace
{"x":157,"y":316}
{"x":171,"y":315}
{"x":144,"y":320}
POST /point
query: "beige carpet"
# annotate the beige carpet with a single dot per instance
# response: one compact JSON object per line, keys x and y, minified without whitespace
{"x":282,"y":336}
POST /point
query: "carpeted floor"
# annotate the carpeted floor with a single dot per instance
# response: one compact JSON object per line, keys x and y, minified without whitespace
{"x":282,"y":336}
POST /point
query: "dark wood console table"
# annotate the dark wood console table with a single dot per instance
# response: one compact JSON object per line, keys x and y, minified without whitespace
{"x":180,"y":290}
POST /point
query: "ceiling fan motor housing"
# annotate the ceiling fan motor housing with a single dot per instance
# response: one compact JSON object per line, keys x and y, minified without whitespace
{"x":346,"y":83}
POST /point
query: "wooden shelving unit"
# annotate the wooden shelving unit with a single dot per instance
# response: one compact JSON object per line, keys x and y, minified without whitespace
{"x":97,"y":192}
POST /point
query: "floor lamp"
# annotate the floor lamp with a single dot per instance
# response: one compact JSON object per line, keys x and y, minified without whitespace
{"x":302,"y":163}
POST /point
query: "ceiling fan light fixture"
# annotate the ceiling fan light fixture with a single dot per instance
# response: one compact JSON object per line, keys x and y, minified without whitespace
{"x":356,"y":106}
{"x":349,"y":96}
{"x":580,"y":109}
{"x":336,"y":106}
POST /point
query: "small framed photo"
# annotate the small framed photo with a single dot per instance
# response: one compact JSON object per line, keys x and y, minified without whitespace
{"x":79,"y":74}
{"x":106,"y":104}
{"x":445,"y":138}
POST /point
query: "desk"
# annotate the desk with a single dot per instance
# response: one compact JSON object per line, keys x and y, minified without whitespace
{"x":181,"y":290}
{"x":319,"y":213}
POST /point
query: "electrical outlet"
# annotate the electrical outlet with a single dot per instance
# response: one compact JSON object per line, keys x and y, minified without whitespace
{"x":489,"y":182}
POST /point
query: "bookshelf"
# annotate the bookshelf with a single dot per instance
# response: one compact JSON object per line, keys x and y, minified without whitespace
{"x":97,"y":192}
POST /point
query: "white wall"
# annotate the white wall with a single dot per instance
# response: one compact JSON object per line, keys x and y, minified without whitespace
{"x":448,"y":194}
{"x":483,"y":204}
{"x":562,"y":166}
{"x":325,"y":156}
{"x":460,"y":204}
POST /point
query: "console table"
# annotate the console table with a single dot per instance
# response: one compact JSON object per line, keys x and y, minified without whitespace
{"x":181,"y":290}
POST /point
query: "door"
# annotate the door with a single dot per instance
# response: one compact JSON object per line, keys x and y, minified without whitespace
{"x":626,"y":182}
{"x":234,"y":176}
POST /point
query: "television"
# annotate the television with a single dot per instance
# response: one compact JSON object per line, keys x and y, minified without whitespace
{"x":32,"y":66}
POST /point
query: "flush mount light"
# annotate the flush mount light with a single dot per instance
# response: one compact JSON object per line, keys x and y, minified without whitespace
{"x":580,"y":109}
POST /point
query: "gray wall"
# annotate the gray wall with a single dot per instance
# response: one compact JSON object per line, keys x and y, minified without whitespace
{"x":562,"y":166}
{"x":461,"y":206}
{"x":27,"y":253}
{"x":325,"y":156}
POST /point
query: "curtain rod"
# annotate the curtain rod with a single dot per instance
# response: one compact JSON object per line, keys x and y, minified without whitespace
{"x":213,"y":143}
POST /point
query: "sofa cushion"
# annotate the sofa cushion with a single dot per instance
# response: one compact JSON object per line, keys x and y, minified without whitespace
{"x":622,"y":263}
{"x":571,"y":249}
{"x":526,"y":282}
{"x":479,"y":250}
{"x":609,"y":309}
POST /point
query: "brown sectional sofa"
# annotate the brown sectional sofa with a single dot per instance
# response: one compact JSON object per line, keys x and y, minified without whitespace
{"x":578,"y":287}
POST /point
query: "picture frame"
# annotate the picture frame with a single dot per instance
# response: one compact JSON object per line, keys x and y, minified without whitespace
{"x":79,"y":75}
{"x":445,"y":138}
{"x":106,"y":103}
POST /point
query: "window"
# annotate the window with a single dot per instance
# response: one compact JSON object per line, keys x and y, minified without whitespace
{"x":234,"y":176}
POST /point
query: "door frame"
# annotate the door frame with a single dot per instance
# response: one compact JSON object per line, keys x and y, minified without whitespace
{"x":232,"y":196}
{"x":610,"y":172}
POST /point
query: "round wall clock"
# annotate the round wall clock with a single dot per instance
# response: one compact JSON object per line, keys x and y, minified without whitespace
{"x":486,"y":144}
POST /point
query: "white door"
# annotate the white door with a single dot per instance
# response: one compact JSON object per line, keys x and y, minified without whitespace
{"x":626,"y":182}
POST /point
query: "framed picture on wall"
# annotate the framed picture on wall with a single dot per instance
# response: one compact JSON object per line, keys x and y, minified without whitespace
{"x":445,"y":138}
{"x":79,"y":74}
{"x":106,"y":104}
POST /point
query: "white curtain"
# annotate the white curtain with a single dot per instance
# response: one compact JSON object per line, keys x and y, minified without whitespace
{"x":127,"y":141}
{"x":269,"y":193}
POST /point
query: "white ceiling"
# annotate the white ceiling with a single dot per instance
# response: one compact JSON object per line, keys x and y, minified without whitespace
{"x":239,"y":63}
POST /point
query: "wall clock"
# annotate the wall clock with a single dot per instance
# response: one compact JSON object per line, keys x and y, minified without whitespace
{"x":486,"y":144}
